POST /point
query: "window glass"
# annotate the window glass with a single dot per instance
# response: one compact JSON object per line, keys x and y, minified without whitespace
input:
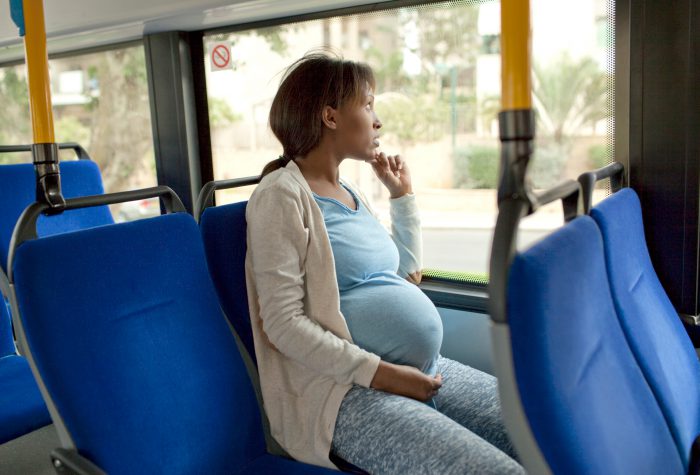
{"x":100,"y":100}
{"x":438,"y":95}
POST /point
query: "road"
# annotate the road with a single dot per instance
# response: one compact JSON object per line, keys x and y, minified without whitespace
{"x":465,"y":249}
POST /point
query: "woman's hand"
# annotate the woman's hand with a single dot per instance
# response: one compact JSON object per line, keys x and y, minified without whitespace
{"x":393,"y":172}
{"x":405,"y":381}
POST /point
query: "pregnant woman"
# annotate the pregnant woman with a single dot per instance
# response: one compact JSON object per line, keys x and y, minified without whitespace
{"x":347,"y":344}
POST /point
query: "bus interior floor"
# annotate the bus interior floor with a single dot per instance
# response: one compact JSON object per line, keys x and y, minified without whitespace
{"x":29,"y":454}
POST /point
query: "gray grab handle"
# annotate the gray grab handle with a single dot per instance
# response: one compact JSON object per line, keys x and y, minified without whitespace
{"x":569,"y":192}
{"x":206,"y":196}
{"x":25,"y":229}
{"x":615,"y":171}
{"x":76,"y":147}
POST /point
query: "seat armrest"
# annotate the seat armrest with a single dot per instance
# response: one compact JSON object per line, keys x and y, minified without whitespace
{"x":70,"y":462}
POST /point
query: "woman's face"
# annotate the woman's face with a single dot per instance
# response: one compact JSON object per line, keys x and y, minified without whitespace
{"x":358,"y":127}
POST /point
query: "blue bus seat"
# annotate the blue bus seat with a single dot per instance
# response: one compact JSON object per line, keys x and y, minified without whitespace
{"x":22,"y":409}
{"x":25,"y":413}
{"x":17,"y":191}
{"x":7,"y":342}
{"x":224,"y":233}
{"x":587,"y":402}
{"x":651,"y":324}
{"x":136,"y":357}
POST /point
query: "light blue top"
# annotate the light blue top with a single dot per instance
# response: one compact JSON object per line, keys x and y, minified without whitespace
{"x":386,"y":314}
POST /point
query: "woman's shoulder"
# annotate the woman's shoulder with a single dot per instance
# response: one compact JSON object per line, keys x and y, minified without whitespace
{"x":278,"y":182}
{"x":279,"y":190}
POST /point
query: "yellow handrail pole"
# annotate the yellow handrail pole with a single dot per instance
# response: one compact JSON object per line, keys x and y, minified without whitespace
{"x":516,"y":119}
{"x":516,"y":83}
{"x":30,"y":19}
{"x":38,"y":72}
{"x":515,"y":200}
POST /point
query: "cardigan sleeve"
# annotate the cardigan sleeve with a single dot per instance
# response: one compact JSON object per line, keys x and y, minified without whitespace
{"x":277,"y":241}
{"x":406,"y":233}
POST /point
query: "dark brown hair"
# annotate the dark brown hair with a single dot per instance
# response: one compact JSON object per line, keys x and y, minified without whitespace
{"x":317,"y":80}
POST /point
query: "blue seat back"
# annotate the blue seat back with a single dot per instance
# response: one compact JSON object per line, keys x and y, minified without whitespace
{"x":587,"y":402}
{"x":224,"y":233}
{"x":17,"y":191}
{"x":652,"y":326}
{"x":7,"y":341}
{"x":131,"y":344}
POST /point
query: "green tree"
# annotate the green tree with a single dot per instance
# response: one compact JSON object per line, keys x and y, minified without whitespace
{"x":70,"y":129}
{"x":416,"y":107}
{"x":220,"y":113}
{"x":448,"y":35}
{"x":388,"y":69}
{"x":412,"y":119}
{"x":120,"y":132}
{"x":568,"y":94}
{"x":15,"y":126}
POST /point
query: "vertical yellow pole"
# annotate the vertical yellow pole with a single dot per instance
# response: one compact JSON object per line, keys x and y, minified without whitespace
{"x":38,"y":72}
{"x":516,"y":84}
{"x":517,"y":118}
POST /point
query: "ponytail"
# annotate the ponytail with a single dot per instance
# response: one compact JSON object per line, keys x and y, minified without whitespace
{"x":277,"y":163}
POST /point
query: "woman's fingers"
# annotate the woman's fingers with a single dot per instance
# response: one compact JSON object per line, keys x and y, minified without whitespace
{"x":382,"y":160}
{"x":392,"y":164}
{"x":437,"y":381}
{"x":437,"y":384}
{"x":399,"y":162}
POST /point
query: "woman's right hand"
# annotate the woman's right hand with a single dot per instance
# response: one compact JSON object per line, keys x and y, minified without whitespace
{"x":405,"y":381}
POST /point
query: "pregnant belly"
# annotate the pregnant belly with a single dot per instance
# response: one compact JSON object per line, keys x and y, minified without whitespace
{"x":394,"y":320}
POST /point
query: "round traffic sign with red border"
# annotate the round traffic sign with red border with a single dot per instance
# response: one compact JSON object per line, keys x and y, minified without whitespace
{"x":220,"y":56}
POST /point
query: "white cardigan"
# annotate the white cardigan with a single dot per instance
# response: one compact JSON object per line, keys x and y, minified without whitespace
{"x":306,"y":358}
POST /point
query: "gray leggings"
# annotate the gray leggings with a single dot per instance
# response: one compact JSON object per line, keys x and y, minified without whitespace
{"x":383,"y":433}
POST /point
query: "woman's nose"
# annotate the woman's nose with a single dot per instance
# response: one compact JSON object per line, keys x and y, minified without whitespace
{"x":377,"y":123}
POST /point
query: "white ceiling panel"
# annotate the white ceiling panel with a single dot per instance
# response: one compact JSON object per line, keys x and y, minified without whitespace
{"x":77,"y":24}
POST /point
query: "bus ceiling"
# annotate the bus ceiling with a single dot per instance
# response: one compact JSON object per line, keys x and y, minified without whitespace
{"x":69,"y":26}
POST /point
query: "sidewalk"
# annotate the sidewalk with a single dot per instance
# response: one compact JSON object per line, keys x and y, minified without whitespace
{"x":474,"y":209}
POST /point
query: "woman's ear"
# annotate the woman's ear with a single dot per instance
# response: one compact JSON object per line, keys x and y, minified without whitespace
{"x":328,"y":116}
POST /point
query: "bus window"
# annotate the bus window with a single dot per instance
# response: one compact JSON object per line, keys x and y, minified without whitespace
{"x":438,"y":94}
{"x":100,"y":100}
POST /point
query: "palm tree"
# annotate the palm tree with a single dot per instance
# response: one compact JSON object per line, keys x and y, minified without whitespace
{"x":568,"y":95}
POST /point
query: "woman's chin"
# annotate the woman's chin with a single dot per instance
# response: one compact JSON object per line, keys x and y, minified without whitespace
{"x":365,"y":157}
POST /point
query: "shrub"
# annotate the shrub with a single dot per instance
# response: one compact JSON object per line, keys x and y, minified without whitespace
{"x":476,"y":167}
{"x":598,"y":156}
{"x":546,"y":165}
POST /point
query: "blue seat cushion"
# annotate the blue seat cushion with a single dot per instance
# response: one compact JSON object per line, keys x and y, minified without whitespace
{"x":224,"y":233}
{"x":587,"y":402}
{"x":134,"y":350}
{"x":18,"y":190}
{"x":652,"y":326}
{"x":22,"y":409}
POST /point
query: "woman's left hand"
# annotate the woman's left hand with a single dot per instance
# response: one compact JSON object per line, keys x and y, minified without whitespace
{"x":393,"y":172}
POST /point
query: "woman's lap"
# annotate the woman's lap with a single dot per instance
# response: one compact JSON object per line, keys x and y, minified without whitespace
{"x":385,"y":433}
{"x":470,"y":398}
